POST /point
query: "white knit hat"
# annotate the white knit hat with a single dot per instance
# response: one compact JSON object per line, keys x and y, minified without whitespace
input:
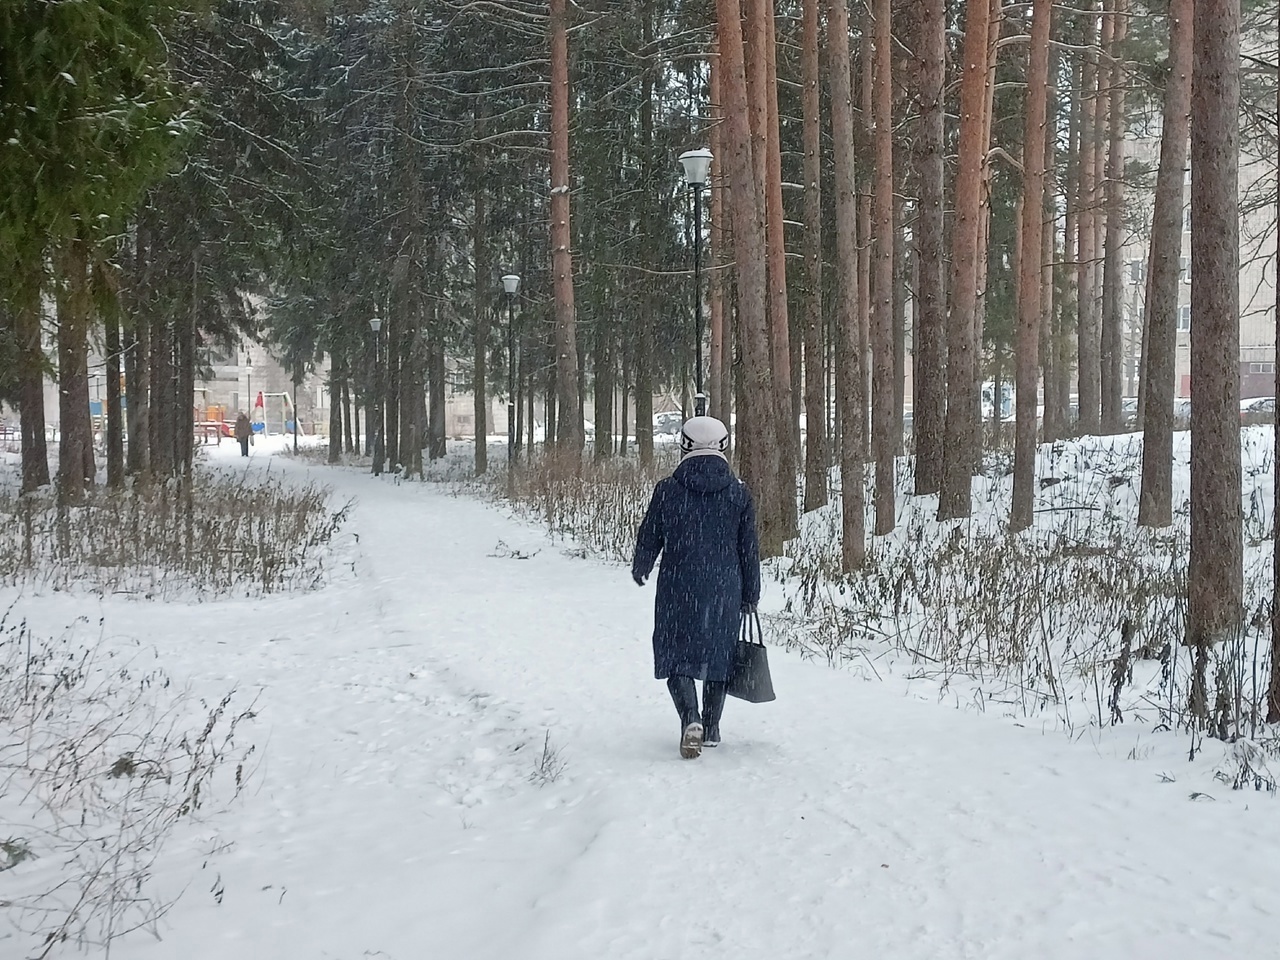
{"x":704,"y":436}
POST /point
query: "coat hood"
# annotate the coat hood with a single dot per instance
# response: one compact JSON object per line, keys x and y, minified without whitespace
{"x":703,"y":474}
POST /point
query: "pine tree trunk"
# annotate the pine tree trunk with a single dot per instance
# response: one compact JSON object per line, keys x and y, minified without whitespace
{"x":1113,"y":262}
{"x":1273,"y":688}
{"x":1088,"y":348}
{"x":1215,"y":574}
{"x":1068,"y":310}
{"x":1155,"y":508}
{"x":966,"y":232}
{"x":816,"y":456}
{"x":1049,"y":356}
{"x":716,"y":241}
{"x":73,"y":386}
{"x":757,"y":421}
{"x":780,"y":325}
{"x":602,"y":384}
{"x":35,"y":452}
{"x":162,"y":390}
{"x":115,"y":419}
{"x":929,"y":366}
{"x":185,"y":325}
{"x":138,"y":368}
{"x":849,"y":376}
{"x":335,"y":411}
{"x":995,"y":23}
{"x":349,"y":426}
{"x":437,"y":440}
{"x":885,"y":444}
{"x":569,"y":433}
{"x":645,"y":307}
{"x":392,"y":385}
{"x":1030,"y":270}
{"x":481,"y":295}
{"x":866,"y":231}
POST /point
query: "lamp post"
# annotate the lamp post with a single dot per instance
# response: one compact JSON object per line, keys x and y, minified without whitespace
{"x":375,"y":324}
{"x":697,"y":166}
{"x":511,"y":285}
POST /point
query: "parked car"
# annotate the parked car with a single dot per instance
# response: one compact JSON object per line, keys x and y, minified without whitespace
{"x":1257,"y":410}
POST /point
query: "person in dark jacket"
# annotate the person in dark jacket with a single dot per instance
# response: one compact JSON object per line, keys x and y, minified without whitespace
{"x":244,"y":430}
{"x":702,"y":520}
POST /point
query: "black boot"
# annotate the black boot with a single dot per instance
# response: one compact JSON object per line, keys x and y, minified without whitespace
{"x":713,"y":693}
{"x":685,"y":696}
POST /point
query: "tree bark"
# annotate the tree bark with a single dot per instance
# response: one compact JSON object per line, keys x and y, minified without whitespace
{"x":966,"y":233}
{"x":1273,"y":688}
{"x":1030,"y":272}
{"x":602,"y":383}
{"x":1089,"y":347}
{"x":1068,"y":311}
{"x":1112,"y":365}
{"x":138,"y":366}
{"x":780,"y":326}
{"x":816,"y":457}
{"x":335,"y":411}
{"x":644,"y":296}
{"x":163,"y":459}
{"x":437,"y":445}
{"x":995,"y":24}
{"x":715,"y":281}
{"x":1155,"y":507}
{"x":849,"y":377}
{"x":882,"y":410}
{"x":73,"y":387}
{"x":115,"y":419}
{"x":35,"y":452}
{"x":929,"y":367}
{"x":866,"y":230}
{"x":566,"y":346}
{"x":481,"y":294}
{"x":1050,"y":357}
{"x":757,"y":426}
{"x":1215,"y":574}
{"x":185,"y":325}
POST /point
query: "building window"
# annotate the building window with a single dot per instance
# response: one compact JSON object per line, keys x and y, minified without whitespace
{"x":1184,"y":319}
{"x":1184,"y":265}
{"x":1262,"y":368}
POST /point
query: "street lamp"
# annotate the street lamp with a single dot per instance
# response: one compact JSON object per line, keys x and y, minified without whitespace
{"x":511,"y":285}
{"x":697,"y":166}
{"x":375,"y":324}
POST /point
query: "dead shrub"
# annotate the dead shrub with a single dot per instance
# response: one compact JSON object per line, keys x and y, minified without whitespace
{"x":222,"y":536}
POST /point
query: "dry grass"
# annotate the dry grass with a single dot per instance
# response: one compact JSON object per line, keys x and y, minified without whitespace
{"x":227,"y":536}
{"x":101,"y":757}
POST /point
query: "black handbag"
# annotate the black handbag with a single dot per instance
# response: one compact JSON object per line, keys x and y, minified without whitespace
{"x":749,"y":674}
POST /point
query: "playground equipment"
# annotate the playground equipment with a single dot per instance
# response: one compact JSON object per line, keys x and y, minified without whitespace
{"x":270,"y":409}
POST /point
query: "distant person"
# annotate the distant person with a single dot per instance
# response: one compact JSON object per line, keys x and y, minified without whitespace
{"x":244,"y":430}
{"x":703,"y":521}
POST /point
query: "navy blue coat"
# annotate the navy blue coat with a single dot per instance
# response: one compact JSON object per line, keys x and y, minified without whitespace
{"x":703,"y":521}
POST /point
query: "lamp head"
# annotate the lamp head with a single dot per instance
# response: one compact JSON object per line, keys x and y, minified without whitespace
{"x":697,"y":166}
{"x":375,"y":323}
{"x":511,"y":284}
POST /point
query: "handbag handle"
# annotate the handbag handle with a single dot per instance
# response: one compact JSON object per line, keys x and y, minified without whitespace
{"x":750,"y":635}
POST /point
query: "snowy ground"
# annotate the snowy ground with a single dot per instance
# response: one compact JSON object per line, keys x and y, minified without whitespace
{"x":462,"y":754}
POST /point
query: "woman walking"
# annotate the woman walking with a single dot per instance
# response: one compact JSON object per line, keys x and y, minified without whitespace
{"x":702,"y":521}
{"x":243,"y":431}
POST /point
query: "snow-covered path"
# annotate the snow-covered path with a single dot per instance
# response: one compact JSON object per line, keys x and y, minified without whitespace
{"x":404,"y":709}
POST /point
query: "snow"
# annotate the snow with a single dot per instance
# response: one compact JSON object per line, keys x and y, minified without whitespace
{"x":461,"y":753}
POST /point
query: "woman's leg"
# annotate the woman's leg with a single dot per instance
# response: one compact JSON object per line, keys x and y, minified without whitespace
{"x":713,"y":694}
{"x":685,"y":696}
